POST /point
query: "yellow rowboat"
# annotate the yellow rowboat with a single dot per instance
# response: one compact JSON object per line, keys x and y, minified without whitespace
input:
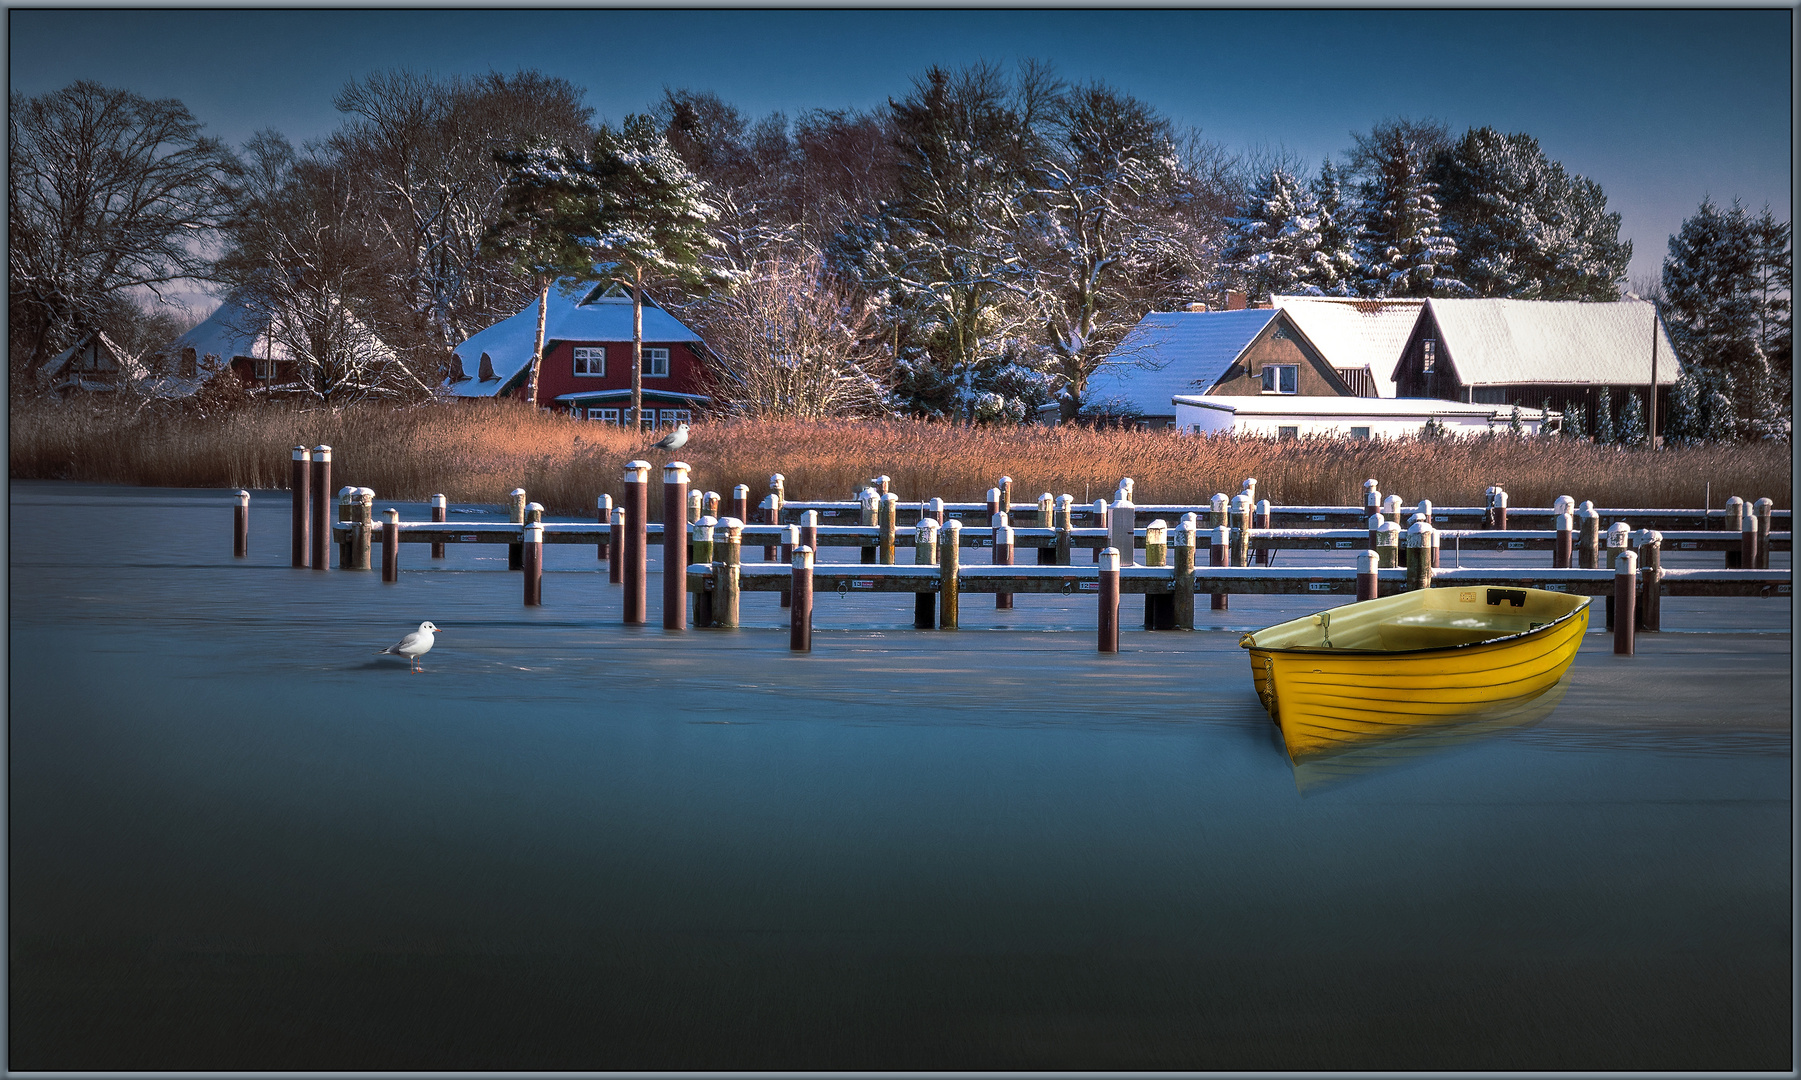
{"x":1380,"y":669}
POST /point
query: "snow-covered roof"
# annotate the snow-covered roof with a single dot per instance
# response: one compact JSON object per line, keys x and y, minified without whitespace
{"x":1350,"y":332}
{"x":1173,"y":352}
{"x":1308,"y":405}
{"x":236,"y":328}
{"x":582,"y":313}
{"x":1497,"y":342}
{"x":129,"y":366}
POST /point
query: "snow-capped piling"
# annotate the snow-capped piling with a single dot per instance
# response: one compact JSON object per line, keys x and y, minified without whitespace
{"x":771,"y":509}
{"x":800,"y":615}
{"x":703,"y":556}
{"x":1006,"y":485}
{"x":240,"y":524}
{"x":1107,"y":619}
{"x":1003,"y":556}
{"x":993,"y":499}
{"x":1625,"y":593}
{"x":1216,"y":510}
{"x":1103,"y":519}
{"x":1062,"y":518}
{"x":1216,"y":554}
{"x":362,"y":528}
{"x":809,"y":530}
{"x":1588,"y":524}
{"x":1650,"y":572}
{"x":300,"y":484}
{"x":1374,"y":524}
{"x":1747,"y":552}
{"x":950,"y":538}
{"x":726,"y":573}
{"x":440,"y":513}
{"x":881,"y":483}
{"x":634,"y":539}
{"x":709,"y":505}
{"x":1391,"y":509}
{"x":1182,"y":552}
{"x":1121,"y":517}
{"x":675,"y":545}
{"x":1372,"y":498}
{"x":603,"y":513}
{"x":1762,"y":510}
{"x":320,"y":508}
{"x":1366,"y":575}
{"x":531,"y":561}
{"x":390,"y":545}
{"x":869,"y":502}
{"x":741,"y":503}
{"x":1419,"y":555}
{"x":778,"y":486}
{"x":346,"y":515}
{"x":1159,"y":609}
{"x":1261,"y":521}
{"x":790,"y":541}
{"x":887,"y":524}
{"x":1388,"y":545}
{"x":1565,"y":545}
{"x":1241,"y":530}
{"x":616,"y":548}
{"x":925,"y":553}
{"x":936,"y":509}
{"x":516,"y":515}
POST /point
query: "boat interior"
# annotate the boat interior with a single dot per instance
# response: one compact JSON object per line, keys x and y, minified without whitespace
{"x":1423,"y":619}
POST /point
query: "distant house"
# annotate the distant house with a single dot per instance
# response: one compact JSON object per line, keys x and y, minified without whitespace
{"x":587,"y":367}
{"x":1362,"y":338}
{"x":1341,"y":417}
{"x":93,"y":365}
{"x":234,"y":337}
{"x":1259,"y":351}
{"x":1504,"y":352}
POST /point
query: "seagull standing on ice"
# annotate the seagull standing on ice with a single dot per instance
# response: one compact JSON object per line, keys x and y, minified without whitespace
{"x":675,"y":440}
{"x":413,"y":646}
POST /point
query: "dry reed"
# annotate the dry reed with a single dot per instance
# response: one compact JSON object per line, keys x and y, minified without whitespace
{"x":477,"y":453}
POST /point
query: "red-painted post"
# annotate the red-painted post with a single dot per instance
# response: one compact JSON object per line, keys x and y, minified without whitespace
{"x":1566,"y":543}
{"x":636,"y":540}
{"x":1500,"y":507}
{"x":1366,"y":575}
{"x":1107,"y":621}
{"x":301,"y":484}
{"x":440,"y":513}
{"x":772,"y":515}
{"x":1625,"y":596}
{"x":390,"y":545}
{"x":925,"y":553}
{"x":675,"y":546}
{"x":321,"y":507}
{"x":1761,"y":511}
{"x":1264,"y":515}
{"x":1003,"y":556}
{"x":809,"y":530}
{"x":531,"y":560}
{"x":1217,"y":554}
{"x":994,"y":502}
{"x":616,"y":546}
{"x":1103,"y":519}
{"x":741,"y":503}
{"x":240,"y":525}
{"x":935,"y":508}
{"x":800,"y":615}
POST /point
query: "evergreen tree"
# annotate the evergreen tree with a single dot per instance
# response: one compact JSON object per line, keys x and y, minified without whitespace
{"x":1334,"y":267}
{"x":1545,"y":417}
{"x":1604,"y":429}
{"x":1632,"y":421}
{"x":1275,"y":237}
{"x":1684,"y":424}
{"x":1404,"y":249}
{"x":1523,"y":227}
{"x":1514,"y":426}
{"x":1575,"y":421}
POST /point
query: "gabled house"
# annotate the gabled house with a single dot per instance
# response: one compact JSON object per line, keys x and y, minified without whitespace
{"x":94,"y":364}
{"x":1362,"y":337}
{"x":1254,"y":351}
{"x":235,"y":338}
{"x":1508,"y":352}
{"x":586,"y":370}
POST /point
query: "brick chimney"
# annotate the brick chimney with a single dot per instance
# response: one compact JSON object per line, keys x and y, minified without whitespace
{"x":1235,"y":300}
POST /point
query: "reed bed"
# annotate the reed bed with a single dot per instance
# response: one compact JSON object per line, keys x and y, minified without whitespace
{"x":478,"y":453}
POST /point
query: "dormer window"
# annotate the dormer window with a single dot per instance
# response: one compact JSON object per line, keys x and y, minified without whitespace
{"x":1281,"y":378}
{"x":1428,"y":355}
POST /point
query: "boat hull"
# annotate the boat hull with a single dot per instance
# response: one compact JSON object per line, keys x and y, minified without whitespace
{"x":1330,"y":696}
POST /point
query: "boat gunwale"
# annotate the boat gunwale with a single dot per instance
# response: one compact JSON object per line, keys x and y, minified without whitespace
{"x":1247,"y":642}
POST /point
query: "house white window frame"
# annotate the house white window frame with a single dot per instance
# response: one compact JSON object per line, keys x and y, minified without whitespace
{"x":587,"y":358}
{"x":1360,"y":432}
{"x":1428,"y":355}
{"x":264,"y":367}
{"x":654,"y":359}
{"x":671,"y":418}
{"x":604,"y":415}
{"x":1272,"y":378}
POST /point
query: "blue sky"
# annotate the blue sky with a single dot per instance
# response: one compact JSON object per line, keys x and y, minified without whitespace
{"x":1660,"y":107}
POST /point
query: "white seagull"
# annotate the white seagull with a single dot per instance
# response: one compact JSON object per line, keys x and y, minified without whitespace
{"x":413,"y":646}
{"x":675,"y":440}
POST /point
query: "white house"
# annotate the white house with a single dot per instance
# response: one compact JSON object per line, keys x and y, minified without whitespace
{"x":1341,"y":417}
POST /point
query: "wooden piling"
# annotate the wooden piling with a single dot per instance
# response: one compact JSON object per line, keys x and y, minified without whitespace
{"x":703,"y":556}
{"x":1425,"y":507}
{"x":1625,"y":593}
{"x":616,"y":549}
{"x":790,"y":541}
{"x":1366,"y":575}
{"x":993,"y":502}
{"x":800,"y":615}
{"x":1107,"y":619}
{"x":1747,"y":552}
{"x":949,"y":541}
{"x":1388,"y":545}
{"x":1565,"y":545}
{"x":1217,"y":553}
{"x":531,"y":560}
{"x":1159,"y":607}
{"x":300,"y":483}
{"x":1500,"y":507}
{"x":887,"y":522}
{"x":516,"y":515}
{"x":635,"y":541}
{"x":1488,"y":507}
{"x":1762,"y":509}
{"x":809,"y":531}
{"x":346,"y":515}
{"x":925,"y":553}
{"x":1588,"y":541}
{"x":772,"y":515}
{"x":1103,"y":519}
{"x":675,"y":545}
{"x":1419,"y":556}
{"x":240,"y":524}
{"x":1374,"y":524}
{"x":440,"y":513}
{"x":1047,"y":511}
{"x":603,"y":513}
{"x":1261,"y":521}
{"x":869,"y":502}
{"x":363,"y":535}
{"x":1006,"y":486}
{"x":1391,"y":509}
{"x":1003,"y":556}
{"x":709,"y":505}
{"x":320,"y":499}
{"x":1183,"y":550}
{"x":881,"y":483}
{"x":1650,"y":572}
{"x":390,"y":545}
{"x":726,"y":566}
{"x":1735,"y":522}
{"x":1241,"y":530}
{"x":1121,"y":517}
{"x":778,"y":486}
{"x":1061,"y":520}
{"x":741,"y":503}
{"x":936,"y":509}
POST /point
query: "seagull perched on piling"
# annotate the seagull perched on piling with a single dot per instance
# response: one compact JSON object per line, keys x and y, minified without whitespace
{"x":675,"y":440}
{"x":413,"y":646}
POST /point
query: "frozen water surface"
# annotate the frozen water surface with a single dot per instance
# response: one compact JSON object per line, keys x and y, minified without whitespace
{"x":241,"y":840}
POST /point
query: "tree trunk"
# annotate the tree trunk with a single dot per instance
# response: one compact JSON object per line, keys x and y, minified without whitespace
{"x":637,"y":421}
{"x":531,"y":382}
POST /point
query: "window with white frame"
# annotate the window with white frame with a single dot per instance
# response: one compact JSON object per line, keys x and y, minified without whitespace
{"x":656,"y":363}
{"x":1360,"y":433}
{"x":1281,"y":378}
{"x":1428,"y":355}
{"x":590,"y":360}
{"x":671,"y":417}
{"x":265,"y":368}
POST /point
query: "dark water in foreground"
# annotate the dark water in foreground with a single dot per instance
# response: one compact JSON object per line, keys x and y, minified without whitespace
{"x":238,"y":840}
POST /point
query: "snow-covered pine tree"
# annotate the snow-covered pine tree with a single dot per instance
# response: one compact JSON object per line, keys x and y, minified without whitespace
{"x":1575,"y":421}
{"x":1605,"y":434}
{"x":1683,"y":426}
{"x":652,"y":220}
{"x":1515,"y":426}
{"x":1404,"y":249}
{"x":1274,"y":237}
{"x":1714,"y":304}
{"x":1544,"y":412}
{"x":1333,"y":270}
{"x":1632,"y":421}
